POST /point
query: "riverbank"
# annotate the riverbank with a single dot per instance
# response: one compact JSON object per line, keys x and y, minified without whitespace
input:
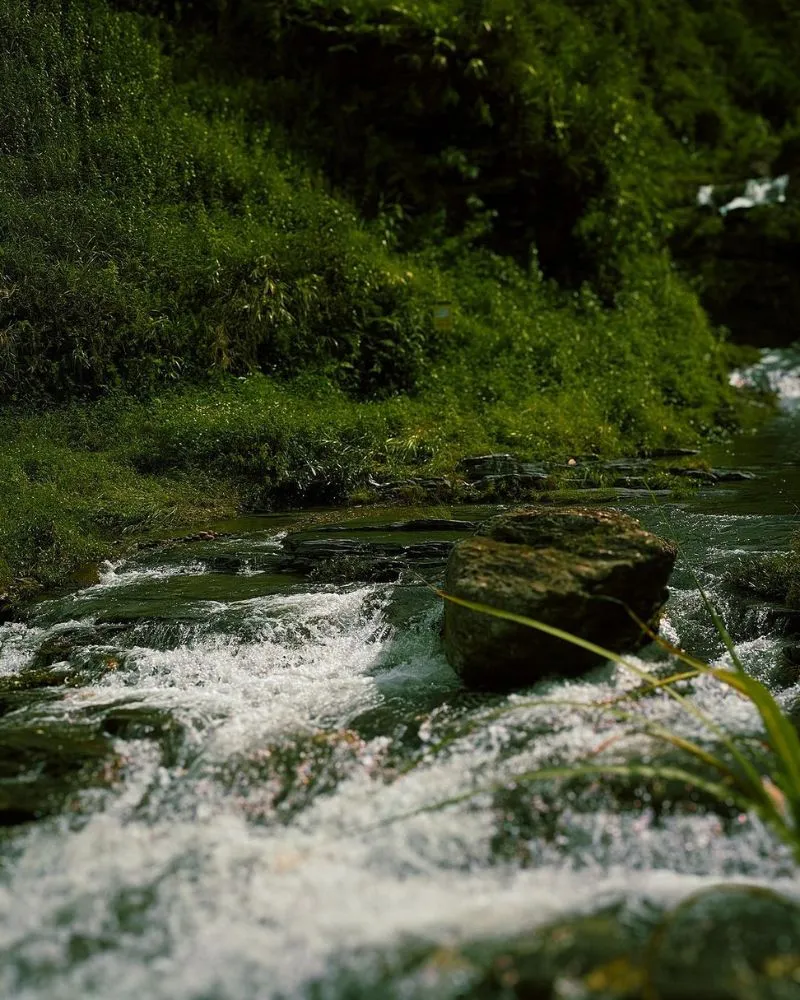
{"x":200,"y":314}
{"x":80,"y":483}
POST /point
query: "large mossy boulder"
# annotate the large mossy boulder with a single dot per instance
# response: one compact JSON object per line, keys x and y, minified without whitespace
{"x":574,"y":568}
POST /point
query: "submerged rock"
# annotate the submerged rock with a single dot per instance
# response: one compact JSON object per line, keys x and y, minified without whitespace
{"x":575,"y":569}
{"x":726,"y":942}
{"x":46,"y":762}
{"x":484,"y":469}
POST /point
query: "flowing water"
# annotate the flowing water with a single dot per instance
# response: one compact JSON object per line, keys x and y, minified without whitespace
{"x":240,"y":779}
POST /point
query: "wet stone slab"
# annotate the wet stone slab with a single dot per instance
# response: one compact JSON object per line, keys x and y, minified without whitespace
{"x":373,"y":551}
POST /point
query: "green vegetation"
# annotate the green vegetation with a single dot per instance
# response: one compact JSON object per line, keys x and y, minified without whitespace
{"x":727,"y":769}
{"x":224,"y":227}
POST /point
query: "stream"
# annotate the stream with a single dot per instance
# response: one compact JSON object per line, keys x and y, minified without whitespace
{"x":222,"y":781}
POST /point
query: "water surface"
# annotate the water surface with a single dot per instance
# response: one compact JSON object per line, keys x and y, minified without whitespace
{"x":253,"y":766}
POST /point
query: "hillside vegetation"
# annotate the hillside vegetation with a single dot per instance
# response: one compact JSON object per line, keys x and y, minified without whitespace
{"x":224,"y":227}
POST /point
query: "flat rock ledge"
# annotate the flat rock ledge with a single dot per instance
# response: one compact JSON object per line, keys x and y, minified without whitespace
{"x":574,"y":568}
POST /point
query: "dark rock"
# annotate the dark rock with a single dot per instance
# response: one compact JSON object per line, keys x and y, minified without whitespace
{"x":732,"y":475}
{"x":428,"y":550}
{"x":356,"y":569}
{"x":727,"y":942}
{"x":433,"y":524}
{"x":534,"y":470}
{"x":304,"y":553}
{"x":143,"y":722}
{"x":624,"y":465}
{"x":234,"y":562}
{"x":480,"y":466}
{"x":723,"y":943}
{"x":791,"y":653}
{"x":672,"y":452}
{"x":511,"y":483}
{"x":346,"y":560}
{"x":414,"y":524}
{"x":784,"y":673}
{"x":703,"y":475}
{"x":432,"y":485}
{"x":572,"y":568}
{"x":45,"y":762}
{"x":603,"y":950}
{"x":55,"y":649}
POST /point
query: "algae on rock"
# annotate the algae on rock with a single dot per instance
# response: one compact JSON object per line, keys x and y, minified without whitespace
{"x":577,"y":569}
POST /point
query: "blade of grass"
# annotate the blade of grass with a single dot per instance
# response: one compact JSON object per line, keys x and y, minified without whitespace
{"x":747,"y":766}
{"x":500,"y":713}
{"x":719,"y":625}
{"x":782,"y":735}
{"x":595,"y":706}
{"x":716,"y":789}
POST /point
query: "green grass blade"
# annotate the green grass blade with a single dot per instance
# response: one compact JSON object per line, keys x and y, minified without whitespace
{"x":783,"y":737}
{"x":501,"y":713}
{"x":716,"y":789}
{"x":757,"y":795}
{"x":719,"y":625}
{"x":747,"y":766}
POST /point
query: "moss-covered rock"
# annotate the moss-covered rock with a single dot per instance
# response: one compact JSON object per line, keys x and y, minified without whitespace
{"x":576,"y":569}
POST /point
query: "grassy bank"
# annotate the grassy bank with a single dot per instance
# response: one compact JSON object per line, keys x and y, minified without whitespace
{"x":75,"y":479}
{"x":221,"y":248}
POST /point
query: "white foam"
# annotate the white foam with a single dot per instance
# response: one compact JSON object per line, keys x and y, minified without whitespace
{"x":20,"y":641}
{"x":121,"y":574}
{"x":181,"y":889}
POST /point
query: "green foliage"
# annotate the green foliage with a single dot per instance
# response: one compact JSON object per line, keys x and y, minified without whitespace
{"x":771,"y":788}
{"x":62,"y":506}
{"x":142,"y":242}
{"x":567,"y":131}
{"x":242,"y":214}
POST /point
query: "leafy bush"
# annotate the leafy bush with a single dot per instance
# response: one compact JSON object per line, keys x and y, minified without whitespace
{"x":229,"y":221}
{"x":143,"y":243}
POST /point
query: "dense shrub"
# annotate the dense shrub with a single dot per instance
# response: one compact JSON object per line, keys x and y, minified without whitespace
{"x":228,"y":223}
{"x":141,"y":242}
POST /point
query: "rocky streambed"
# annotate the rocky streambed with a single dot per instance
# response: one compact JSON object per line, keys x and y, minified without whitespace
{"x":241,"y":767}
